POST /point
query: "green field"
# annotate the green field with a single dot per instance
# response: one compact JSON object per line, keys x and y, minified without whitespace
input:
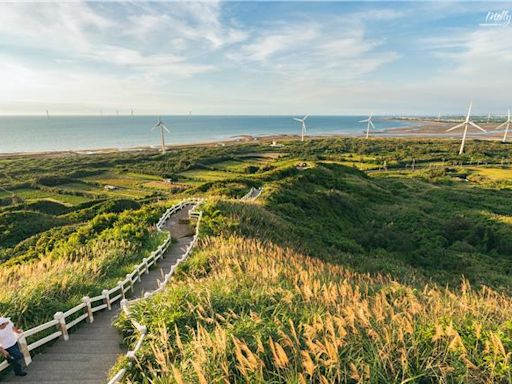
{"x":205,"y":175}
{"x":34,"y":194}
{"x":387,"y":263}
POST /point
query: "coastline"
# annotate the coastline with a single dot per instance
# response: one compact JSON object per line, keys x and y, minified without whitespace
{"x":422,"y":129}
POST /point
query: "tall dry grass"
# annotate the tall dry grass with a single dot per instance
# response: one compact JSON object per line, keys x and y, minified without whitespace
{"x":91,"y":259}
{"x":249,"y":312}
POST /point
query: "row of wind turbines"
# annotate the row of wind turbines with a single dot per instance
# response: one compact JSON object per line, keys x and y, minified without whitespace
{"x":466,"y":124}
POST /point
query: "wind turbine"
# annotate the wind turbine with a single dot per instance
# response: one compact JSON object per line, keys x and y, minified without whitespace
{"x":466,"y":123}
{"x":303,"y":121}
{"x":370,"y":124}
{"x":162,"y":127}
{"x":506,"y":124}
{"x":47,"y":115}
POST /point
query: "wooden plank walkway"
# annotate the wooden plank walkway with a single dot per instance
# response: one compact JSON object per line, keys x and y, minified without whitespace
{"x":93,"y":349}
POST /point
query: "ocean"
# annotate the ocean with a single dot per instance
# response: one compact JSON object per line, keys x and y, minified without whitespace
{"x":62,"y":133}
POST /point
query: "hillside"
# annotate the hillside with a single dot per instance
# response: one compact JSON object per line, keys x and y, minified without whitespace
{"x":409,"y":228}
{"x":279,"y":291}
{"x":379,"y":225}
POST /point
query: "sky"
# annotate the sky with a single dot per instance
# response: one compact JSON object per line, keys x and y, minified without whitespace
{"x":255,"y":58}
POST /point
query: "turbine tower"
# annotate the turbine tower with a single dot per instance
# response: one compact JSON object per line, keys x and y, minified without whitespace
{"x":303,"y":122}
{"x":162,"y":127}
{"x":47,"y":115}
{"x":466,"y":123}
{"x":370,"y":124}
{"x":506,"y":124}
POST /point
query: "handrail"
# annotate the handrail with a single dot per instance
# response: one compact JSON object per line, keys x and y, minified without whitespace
{"x":253,"y":194}
{"x":87,"y":302}
{"x":125,"y":304}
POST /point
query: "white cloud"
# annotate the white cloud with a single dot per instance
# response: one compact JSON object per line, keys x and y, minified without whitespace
{"x":185,"y":54}
{"x":336,"y":48}
{"x":166,"y":37}
{"x":105,"y":54}
{"x":476,"y":65}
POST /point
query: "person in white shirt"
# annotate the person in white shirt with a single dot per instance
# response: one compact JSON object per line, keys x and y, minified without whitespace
{"x":9,"y":345}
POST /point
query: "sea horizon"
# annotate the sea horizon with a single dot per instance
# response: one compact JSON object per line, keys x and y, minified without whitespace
{"x":34,"y":134}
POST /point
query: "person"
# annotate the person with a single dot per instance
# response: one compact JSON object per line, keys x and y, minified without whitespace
{"x":9,"y":345}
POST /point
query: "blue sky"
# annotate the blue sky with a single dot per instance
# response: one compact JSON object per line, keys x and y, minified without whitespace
{"x":253,"y":57}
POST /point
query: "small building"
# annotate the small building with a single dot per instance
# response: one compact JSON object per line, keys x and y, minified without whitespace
{"x":109,"y":187}
{"x":275,"y":144}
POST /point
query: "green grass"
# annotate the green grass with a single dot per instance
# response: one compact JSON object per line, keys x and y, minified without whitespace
{"x":391,"y":234}
{"x":84,"y":261}
{"x":493,"y":173}
{"x":240,"y":165}
{"x":206,"y":175}
{"x":35,"y":194}
{"x":331,"y":278}
{"x":143,"y":177}
{"x":117,"y":180}
{"x":79,"y":186}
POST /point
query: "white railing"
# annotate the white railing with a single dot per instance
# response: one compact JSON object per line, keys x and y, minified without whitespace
{"x":125,"y":304}
{"x":61,"y":322}
{"x":253,"y":194}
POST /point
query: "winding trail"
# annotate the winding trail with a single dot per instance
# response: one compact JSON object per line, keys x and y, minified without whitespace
{"x":93,"y":349}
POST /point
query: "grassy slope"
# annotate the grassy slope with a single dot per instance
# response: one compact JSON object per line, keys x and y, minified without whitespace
{"x":63,"y":266}
{"x":52,"y":253}
{"x":409,"y":228}
{"x":332,"y":213}
{"x":253,"y":306}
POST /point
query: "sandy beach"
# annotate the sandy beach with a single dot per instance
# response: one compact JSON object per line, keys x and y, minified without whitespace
{"x":437,"y":129}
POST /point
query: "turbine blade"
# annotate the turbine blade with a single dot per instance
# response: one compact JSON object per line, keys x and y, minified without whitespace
{"x":457,"y":126}
{"x":477,"y":126}
{"x":305,"y":117}
{"x":296,"y":119}
{"x":501,"y":125}
{"x":164,"y":127}
{"x":469,"y":110}
{"x":371,"y":123}
{"x":363,"y":121}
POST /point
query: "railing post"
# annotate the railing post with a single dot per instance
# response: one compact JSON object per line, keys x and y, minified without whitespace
{"x":106,"y":300}
{"x":146,"y":267}
{"x":88,"y":309}
{"x":61,"y":325}
{"x":22,"y":343}
{"x":130,"y":281}
{"x":121,"y":286}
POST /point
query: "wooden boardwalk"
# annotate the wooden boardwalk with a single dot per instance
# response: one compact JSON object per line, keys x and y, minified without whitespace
{"x":93,"y":348}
